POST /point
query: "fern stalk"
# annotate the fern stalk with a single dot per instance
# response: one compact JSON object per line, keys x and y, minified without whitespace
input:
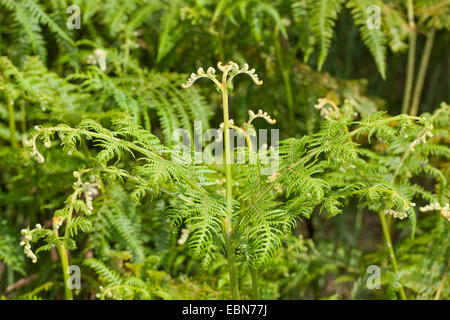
{"x":69,"y":215}
{"x":285,"y":75}
{"x":411,"y":58}
{"x":387,"y":237}
{"x":65,"y":266}
{"x":441,"y":284}
{"x":422,"y":72}
{"x":255,"y":289}
{"x":62,"y":251}
{"x":12,"y":123}
{"x":229,"y":193}
{"x":229,"y":71}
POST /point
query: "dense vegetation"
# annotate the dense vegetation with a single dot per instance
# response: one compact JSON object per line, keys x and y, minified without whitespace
{"x":93,"y":174}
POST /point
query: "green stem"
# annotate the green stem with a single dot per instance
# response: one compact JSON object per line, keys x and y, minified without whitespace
{"x":441,"y":284}
{"x":387,"y":237}
{"x":228,"y":221}
{"x":12,"y":123}
{"x":127,"y":52}
{"x":69,"y":214}
{"x":411,"y":58}
{"x":255,"y":288}
{"x":65,"y":266}
{"x":285,"y":75}
{"x":23,"y":117}
{"x":63,"y":251}
{"x":9,"y":275}
{"x":358,"y":225}
{"x":422,"y":72}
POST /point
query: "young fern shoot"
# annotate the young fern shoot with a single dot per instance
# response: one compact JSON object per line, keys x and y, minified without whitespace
{"x":241,"y":212}
{"x":229,"y":71}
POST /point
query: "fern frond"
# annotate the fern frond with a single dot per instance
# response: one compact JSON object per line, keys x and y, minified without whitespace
{"x":203,"y":216}
{"x":264,"y":224}
{"x":37,"y":12}
{"x":78,"y":224}
{"x":121,"y":224}
{"x":374,"y":38}
{"x":322,"y":15}
{"x":110,"y":276}
{"x":10,"y":251}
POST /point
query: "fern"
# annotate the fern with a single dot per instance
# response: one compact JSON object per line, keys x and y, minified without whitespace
{"x":28,"y":16}
{"x":118,"y":287}
{"x":323,"y":14}
{"x":78,"y":224}
{"x":98,"y":109}
{"x":107,"y":275}
{"x":120,"y":226}
{"x":372,"y":38}
{"x":171,"y":33}
{"x":9,"y":251}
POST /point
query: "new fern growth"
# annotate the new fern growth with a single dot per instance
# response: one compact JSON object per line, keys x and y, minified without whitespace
{"x":229,"y":71}
{"x":102,"y":183}
{"x":238,"y":211}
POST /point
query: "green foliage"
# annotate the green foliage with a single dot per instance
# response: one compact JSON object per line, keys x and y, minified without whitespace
{"x":373,"y":38}
{"x":323,"y":16}
{"x":9,"y":252}
{"x":92,"y":174}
